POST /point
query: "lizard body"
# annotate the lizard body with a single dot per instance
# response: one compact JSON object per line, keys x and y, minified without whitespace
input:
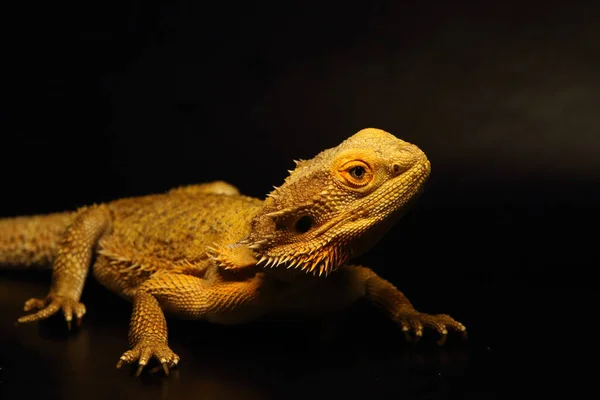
{"x":207,"y":252}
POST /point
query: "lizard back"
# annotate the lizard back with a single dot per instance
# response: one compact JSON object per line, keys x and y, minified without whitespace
{"x":168,"y":232}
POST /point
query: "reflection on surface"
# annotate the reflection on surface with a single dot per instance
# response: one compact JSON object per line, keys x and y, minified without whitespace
{"x":365,"y":354}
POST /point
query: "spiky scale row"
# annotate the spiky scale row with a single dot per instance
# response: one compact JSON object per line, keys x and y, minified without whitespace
{"x":316,"y":262}
{"x":216,"y":253}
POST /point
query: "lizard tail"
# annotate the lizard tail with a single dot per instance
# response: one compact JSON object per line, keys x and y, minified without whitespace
{"x":30,"y":242}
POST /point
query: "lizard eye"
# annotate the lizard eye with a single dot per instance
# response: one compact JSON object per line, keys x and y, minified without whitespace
{"x":356,"y":173}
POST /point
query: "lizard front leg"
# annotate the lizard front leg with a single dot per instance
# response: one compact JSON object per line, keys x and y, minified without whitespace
{"x":387,"y":297}
{"x":71,"y":266}
{"x":185,"y":296}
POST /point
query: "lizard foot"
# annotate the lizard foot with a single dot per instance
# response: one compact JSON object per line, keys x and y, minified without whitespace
{"x":49,"y":306}
{"x":415,"y":321}
{"x":144,"y":351}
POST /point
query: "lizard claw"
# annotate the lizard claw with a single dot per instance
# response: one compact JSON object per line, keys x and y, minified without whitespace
{"x":415,"y":321}
{"x":49,"y":306}
{"x":144,"y":351}
{"x":164,"y":366}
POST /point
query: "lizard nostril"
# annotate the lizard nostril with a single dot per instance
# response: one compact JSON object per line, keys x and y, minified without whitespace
{"x":396,"y":168}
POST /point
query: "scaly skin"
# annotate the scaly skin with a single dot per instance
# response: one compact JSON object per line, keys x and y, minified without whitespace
{"x":207,"y":252}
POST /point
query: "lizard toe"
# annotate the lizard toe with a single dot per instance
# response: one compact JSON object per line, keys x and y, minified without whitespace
{"x":143,"y":352}
{"x":412,"y":328}
{"x":44,"y":313}
{"x":50,"y":306}
{"x":415,"y":322}
{"x":34,"y":304}
{"x":451,"y":324}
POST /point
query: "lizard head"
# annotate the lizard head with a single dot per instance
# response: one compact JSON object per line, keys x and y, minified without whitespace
{"x":338,"y":204}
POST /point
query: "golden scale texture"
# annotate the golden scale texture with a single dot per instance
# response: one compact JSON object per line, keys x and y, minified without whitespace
{"x":32,"y":242}
{"x":207,"y":252}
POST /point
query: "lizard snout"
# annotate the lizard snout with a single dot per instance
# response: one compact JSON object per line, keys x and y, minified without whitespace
{"x":407,"y":156}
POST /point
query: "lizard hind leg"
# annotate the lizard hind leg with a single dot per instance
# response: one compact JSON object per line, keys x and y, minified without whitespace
{"x":70,"y":267}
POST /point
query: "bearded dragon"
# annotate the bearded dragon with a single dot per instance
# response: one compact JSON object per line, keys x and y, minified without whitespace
{"x":207,"y":252}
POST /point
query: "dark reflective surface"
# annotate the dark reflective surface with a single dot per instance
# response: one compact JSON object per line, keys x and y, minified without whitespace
{"x":366,"y":355}
{"x":520,"y":342}
{"x":130,"y":99}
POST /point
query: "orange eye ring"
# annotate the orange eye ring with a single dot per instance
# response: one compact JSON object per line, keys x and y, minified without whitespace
{"x":356,"y":173}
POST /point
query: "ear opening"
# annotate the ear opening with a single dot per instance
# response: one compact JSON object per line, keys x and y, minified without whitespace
{"x":304,"y":224}
{"x":295,"y":219}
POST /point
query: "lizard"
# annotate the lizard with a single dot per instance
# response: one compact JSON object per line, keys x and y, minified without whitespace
{"x":207,"y":252}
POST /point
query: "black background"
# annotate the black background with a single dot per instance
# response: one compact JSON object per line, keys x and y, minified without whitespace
{"x":102,"y":101}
